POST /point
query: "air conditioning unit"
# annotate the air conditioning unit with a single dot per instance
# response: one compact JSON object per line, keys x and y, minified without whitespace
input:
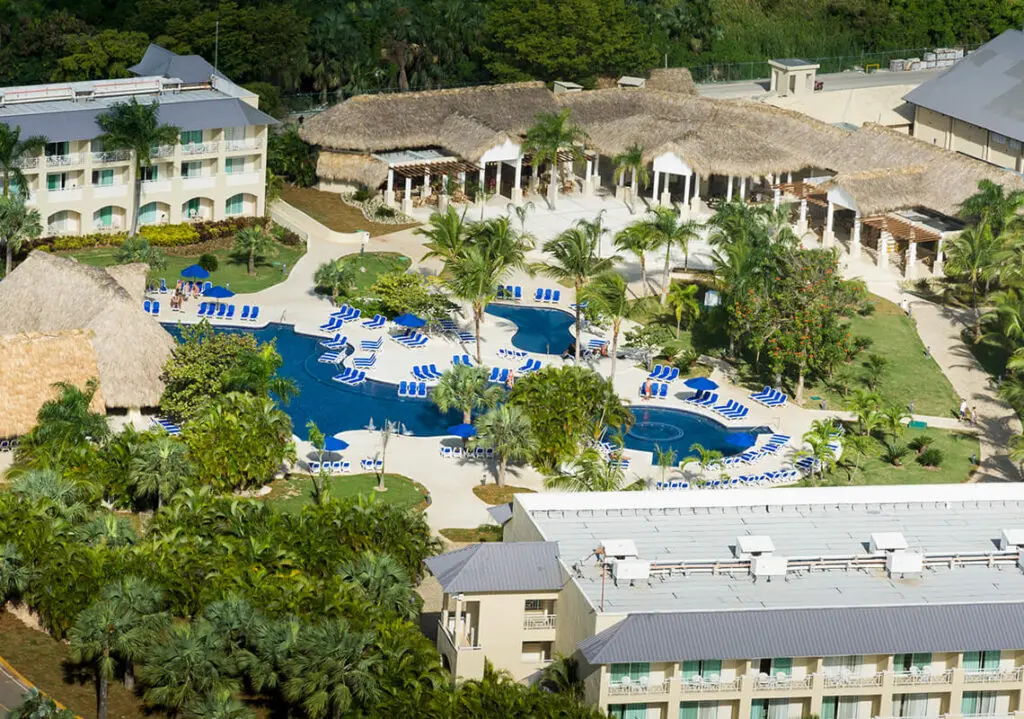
{"x":753,"y":545}
{"x":631,"y":569}
{"x":902,"y":563}
{"x":619,"y":549}
{"x":887,"y":542}
{"x":1011,"y":539}
{"x":768,"y":567}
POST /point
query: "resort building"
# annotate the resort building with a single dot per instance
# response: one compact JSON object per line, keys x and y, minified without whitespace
{"x":217,"y":169}
{"x":871,"y":190}
{"x":843,"y":603}
{"x":63,"y":321}
{"x":973,"y":108}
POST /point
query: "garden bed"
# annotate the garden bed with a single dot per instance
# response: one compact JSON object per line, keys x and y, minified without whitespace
{"x":329,"y":210}
{"x":494,"y":495}
{"x":292,"y":494}
{"x":483,"y":533}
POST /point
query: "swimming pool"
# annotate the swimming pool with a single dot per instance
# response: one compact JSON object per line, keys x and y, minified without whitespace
{"x":542,"y":330}
{"x":336,"y":407}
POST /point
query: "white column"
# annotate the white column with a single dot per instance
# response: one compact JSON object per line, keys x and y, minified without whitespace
{"x":654,"y":186}
{"x":588,"y":178}
{"x":801,"y":226}
{"x":828,"y":236}
{"x":426,"y":185}
{"x":789,"y":177}
{"x":686,"y":189}
{"x":407,"y":198}
{"x":458,"y":620}
{"x":666,"y":190}
{"x":517,"y":188}
{"x":910,"y":271}
{"x":743,"y":188}
{"x":389,"y":193}
{"x":883,"y":248}
{"x":938,"y":269}
{"x":728,"y":189}
{"x":481,"y":187}
{"x":695,"y":200}
{"x":776,"y":198}
{"x":855,"y":238}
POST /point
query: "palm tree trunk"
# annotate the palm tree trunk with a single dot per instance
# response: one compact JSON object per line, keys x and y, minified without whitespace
{"x":252,"y":261}
{"x":615,"y":345}
{"x":579,"y":286}
{"x":10,"y":257}
{"x":501,"y":470}
{"x":476,"y":323}
{"x":129,"y":676}
{"x":101,"y":696}
{"x":800,"y":386}
{"x":467,"y":416}
{"x":643,"y":275}
{"x":137,"y":199}
{"x":553,"y":185}
{"x":665,"y":282}
{"x":977,"y":312}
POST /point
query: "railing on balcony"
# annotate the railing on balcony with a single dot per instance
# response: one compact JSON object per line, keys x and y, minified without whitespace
{"x":543,"y":621}
{"x":110,"y":156}
{"x":641,"y":686}
{"x":843,"y":679}
{"x":901,"y":679}
{"x":64,"y":160}
{"x":991,"y":676}
{"x":710,"y":684}
{"x":26,"y":163}
{"x":765,"y":682}
{"x":463,"y":645}
{"x":199,"y":148}
{"x":250,"y":143}
{"x":162,"y":151}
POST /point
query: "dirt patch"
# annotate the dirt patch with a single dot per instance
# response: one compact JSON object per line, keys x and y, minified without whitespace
{"x":493,"y":494}
{"x":328,"y":209}
{"x":483,"y":533}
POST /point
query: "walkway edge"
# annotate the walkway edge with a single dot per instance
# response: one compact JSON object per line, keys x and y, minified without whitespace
{"x":20,"y":678}
{"x":297,"y":221}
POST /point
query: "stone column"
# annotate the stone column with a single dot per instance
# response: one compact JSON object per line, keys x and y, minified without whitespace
{"x":743,"y":189}
{"x":481,"y":186}
{"x":938,"y":269}
{"x":462,"y":182}
{"x":666,"y":190}
{"x":801,"y":225}
{"x":654,"y":186}
{"x":684,"y":208}
{"x":517,"y":187}
{"x":695,"y":200}
{"x":883,"y":248}
{"x":426,"y":185}
{"x":828,"y":236}
{"x":620,"y":186}
{"x":407,"y":198}
{"x":789,"y":177}
{"x":588,"y":178}
{"x":389,"y":193}
{"x":855,"y":237}
{"x":443,"y":199}
{"x":910,"y":271}
{"x":728,"y":189}
{"x":776,"y":198}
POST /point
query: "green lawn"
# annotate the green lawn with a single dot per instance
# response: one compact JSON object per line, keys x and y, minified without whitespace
{"x":292,"y":494}
{"x":483,"y":533}
{"x":328,"y":209}
{"x":370,"y":265}
{"x":956,"y":447}
{"x":231,"y":271}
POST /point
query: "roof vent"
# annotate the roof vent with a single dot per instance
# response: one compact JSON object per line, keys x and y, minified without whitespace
{"x":619,"y":549}
{"x":628,"y":81}
{"x":561,"y":86}
{"x":1011,"y":539}
{"x":901,"y":563}
{"x":768,"y":567}
{"x":887,"y":542}
{"x":753,"y":545}
{"x":630,"y":570}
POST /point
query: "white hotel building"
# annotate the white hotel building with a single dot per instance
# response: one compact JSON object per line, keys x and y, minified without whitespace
{"x":216,"y":170}
{"x":845,"y":603}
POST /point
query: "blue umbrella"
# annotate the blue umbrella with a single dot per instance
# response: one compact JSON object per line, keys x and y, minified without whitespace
{"x":409,"y":320}
{"x":740,"y":439}
{"x":218,"y":293}
{"x":333,"y":444}
{"x":194,"y":272}
{"x":463,"y":430}
{"x":700,"y":383}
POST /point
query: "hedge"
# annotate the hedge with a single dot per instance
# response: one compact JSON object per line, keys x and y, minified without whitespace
{"x":166,"y":235}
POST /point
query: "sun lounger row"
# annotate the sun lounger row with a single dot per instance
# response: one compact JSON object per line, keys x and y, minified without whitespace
{"x":774,"y":444}
{"x":376,"y":323}
{"x":188,"y":288}
{"x":426,"y":373}
{"x":549,"y":296}
{"x":331,"y":467}
{"x":413,"y":339}
{"x":703,"y":398}
{"x":212,"y":310}
{"x":452,"y":328}
{"x":412,"y":389}
{"x":371,"y":345}
{"x":151,"y":307}
{"x":330,"y":358}
{"x":511,"y":354}
{"x":620,"y":462}
{"x":338,"y":342}
{"x":460,"y":453}
{"x":8,"y":445}
{"x":777,"y":477}
{"x":510,"y":292}
{"x":769,"y":397}
{"x":339,"y":318}
{"x":664,"y":373}
{"x":364,"y":361}
{"x":350,"y":376}
{"x":461,"y":359}
{"x":369,"y":464}
{"x":167,"y":425}
{"x":498,"y":375}
{"x":532,"y":365}
{"x":658,"y":390}
{"x":731,"y":410}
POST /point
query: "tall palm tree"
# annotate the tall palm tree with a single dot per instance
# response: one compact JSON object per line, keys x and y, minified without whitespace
{"x":58,"y":496}
{"x":331,"y":671}
{"x":856,"y":448}
{"x":608,"y":295}
{"x":19,"y":225}
{"x":256,"y":372}
{"x":573,"y":258}
{"x":217,"y":705}
{"x":136,"y":128}
{"x":865,"y":405}
{"x":445,"y":234}
{"x":521,"y":212}
{"x":705,"y":458}
{"x":14,"y":152}
{"x":100,"y":636}
{"x":972,"y":258}
{"x":384,"y":583}
{"x":670,"y":232}
{"x":337,"y":276}
{"x":892,"y":418}
{"x":141,"y":603}
{"x":550,"y":135}
{"x":992,"y":205}
{"x":253,"y":242}
{"x":465,"y":389}
{"x":820,"y":439}
{"x":506,"y":429}
{"x":682,"y":300}
{"x":160,"y":468}
{"x":591,"y":472}
{"x":594,"y":229}
{"x":186,"y":662}
{"x":632,"y":161}
{"x":14,"y":573}
{"x":638,"y":239}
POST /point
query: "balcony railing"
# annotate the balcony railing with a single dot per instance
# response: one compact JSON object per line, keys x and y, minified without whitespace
{"x":849,"y":680}
{"x":641,"y":686}
{"x":765,"y":682}
{"x":901,"y":679}
{"x":249,"y":143}
{"x":199,"y":148}
{"x":162,"y":151}
{"x":64,"y":160}
{"x":460,"y":646}
{"x":991,"y":676}
{"x":710,"y":684}
{"x":110,"y":156}
{"x":26,"y":163}
{"x":546,"y":621}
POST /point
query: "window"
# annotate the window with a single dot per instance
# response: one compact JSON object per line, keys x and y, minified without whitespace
{"x":1014,"y":144}
{"x":150,"y":173}
{"x":103,"y":178}
{"x":56,"y":181}
{"x":105,"y":217}
{"x":776,"y":666}
{"x":533,"y":605}
{"x":235,"y":205}
{"x":980,"y":661}
{"x":978,"y":703}
{"x":698,"y":710}
{"x":191,"y":208}
{"x":191,"y":169}
{"x":96,"y":145}
{"x":910,"y":705}
{"x":147,"y":214}
{"x":57,"y":148}
{"x":234,"y":133}
{"x":627,"y":711}
{"x":906,"y":662}
{"x":233,"y":165}
{"x":705,"y":669}
{"x":840,"y":707}
{"x":769,"y":709}
{"x":997,"y":138}
{"x":630,"y":672}
{"x":836,"y":666}
{"x":191,"y":137}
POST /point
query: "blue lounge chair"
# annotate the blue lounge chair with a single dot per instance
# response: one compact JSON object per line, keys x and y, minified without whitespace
{"x":202,"y":309}
{"x":366,"y":464}
{"x":345,"y":373}
{"x":372,"y":345}
{"x":163,"y":286}
{"x":376,"y":323}
{"x":207,"y":286}
{"x":547,"y":296}
{"x":231,"y":313}
{"x":556,"y":297}
{"x":329,"y":358}
{"x":708,"y":401}
{"x":503,"y":376}
{"x":403,"y":388}
{"x":466,"y":360}
{"x":417,"y":372}
{"x":434,"y":373}
{"x":334,"y":343}
{"x":494,"y":374}
{"x":331,"y":325}
{"x":457,"y":360}
{"x":245,"y":312}
{"x":539,"y":295}
{"x":421,"y":389}
{"x":662,"y":391}
{"x":657,"y":372}
{"x":147,"y":307}
{"x":517,"y":292}
{"x":365,"y":362}
{"x":341,"y":311}
{"x":255,"y":313}
{"x":156,"y":307}
{"x":671,"y":375}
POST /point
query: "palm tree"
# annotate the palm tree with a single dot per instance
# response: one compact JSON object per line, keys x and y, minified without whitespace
{"x":670,"y":231}
{"x":384,"y":583}
{"x":705,"y":459}
{"x":14,"y":573}
{"x":1017,"y":449}
{"x":256,"y":372}
{"x":445,"y":235}
{"x":865,"y":405}
{"x":136,"y":128}
{"x":856,"y":448}
{"x":682,"y":300}
{"x":632,"y":161}
{"x":551,"y":135}
{"x":217,"y":705}
{"x":595,"y":230}
{"x":19,"y":225}
{"x":253,"y":241}
{"x":138,"y":249}
{"x":591,"y":472}
{"x":465,"y":389}
{"x":141,"y":604}
{"x":161,"y":467}
{"x":100,"y":636}
{"x":14,"y":152}
{"x":573,"y":258}
{"x":562,"y":677}
{"x":331,"y":670}
{"x":506,"y":429}
{"x":337,"y":276}
{"x":991,"y":204}
{"x":185,"y":663}
{"x":521,"y":212}
{"x":638,"y":239}
{"x":892,"y":418}
{"x":972,"y":258}
{"x":607,"y":294}
{"x":58,"y":496}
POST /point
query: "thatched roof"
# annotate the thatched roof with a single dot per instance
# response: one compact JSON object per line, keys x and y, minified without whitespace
{"x":722,"y":137}
{"x":672,"y":79}
{"x":351,"y":167}
{"x":47,"y":293}
{"x":132,"y":277}
{"x":32,"y":363}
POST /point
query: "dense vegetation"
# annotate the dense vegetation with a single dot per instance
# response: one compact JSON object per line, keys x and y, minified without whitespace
{"x":352,"y":47}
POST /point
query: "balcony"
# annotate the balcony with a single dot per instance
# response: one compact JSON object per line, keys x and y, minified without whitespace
{"x":462,"y":646}
{"x":76,"y":158}
{"x":992,"y":676}
{"x":767,"y":683}
{"x":105,"y":191}
{"x":848,"y":680}
{"x":913,"y":677}
{"x":710,"y":685}
{"x":198,"y":182}
{"x":26,"y":163}
{"x":245,"y":178}
{"x":641,"y":686}
{"x":162,"y":151}
{"x":108,"y":156}
{"x":250,"y":143}
{"x":543,"y":621}
{"x":64,"y":194}
{"x":155,"y":187}
{"x":199,"y":148}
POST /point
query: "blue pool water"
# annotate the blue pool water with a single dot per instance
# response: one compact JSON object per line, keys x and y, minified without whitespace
{"x":541,"y":330}
{"x":336,"y":407}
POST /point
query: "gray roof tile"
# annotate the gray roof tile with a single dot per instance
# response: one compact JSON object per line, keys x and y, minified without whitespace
{"x":499,"y":567}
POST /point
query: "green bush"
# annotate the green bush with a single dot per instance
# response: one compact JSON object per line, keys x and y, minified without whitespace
{"x":931,"y":457}
{"x":384,"y":212}
{"x":362,"y":194}
{"x":80,"y":242}
{"x":920,"y":443}
{"x":894,"y":453}
{"x":286,"y":236}
{"x":170,"y":235}
{"x":208,"y":262}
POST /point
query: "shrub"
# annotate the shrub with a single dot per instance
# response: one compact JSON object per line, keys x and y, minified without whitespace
{"x":138,"y":249}
{"x":894,"y":453}
{"x":931,"y":457}
{"x":170,"y":235}
{"x":362,"y":194}
{"x":285,"y":236}
{"x":385,"y":213}
{"x":81,"y":242}
{"x":208,"y":262}
{"x":920,"y":443}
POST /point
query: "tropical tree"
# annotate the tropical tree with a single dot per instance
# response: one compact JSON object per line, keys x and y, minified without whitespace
{"x":65,"y":430}
{"x":638,"y":239}
{"x":856,"y":448}
{"x":138,"y":249}
{"x":507,"y":430}
{"x":866,"y":406}
{"x":14,"y":153}
{"x":664,"y":460}
{"x":591,"y":472}
{"x":19,"y":226}
{"x":335,"y":276}
{"x":632,"y":161}
{"x":971,"y":258}
{"x":137,"y":129}
{"x":253,"y":242}
{"x":38,"y":706}
{"x":183,"y":664}
{"x":521,"y":212}
{"x":820,"y":441}
{"x":54,"y":494}
{"x":445,"y":235}
{"x":141,"y":604}
{"x":100,"y":636}
{"x":992,"y":205}
{"x":160,"y":467}
{"x":572,"y":257}
{"x":892,"y":418}
{"x":317,"y":439}
{"x":551,"y":135}
{"x":15,"y":573}
{"x":383,"y":583}
{"x":607,"y":294}
{"x":255,"y":372}
{"x":217,"y":705}
{"x":671,"y":231}
{"x":705,"y":458}
{"x":562,"y":677}
{"x":466,"y":389}
{"x":682,"y":300}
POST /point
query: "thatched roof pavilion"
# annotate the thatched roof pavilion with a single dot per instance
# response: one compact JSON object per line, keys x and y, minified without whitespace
{"x":35,"y":361}
{"x":48,"y":294}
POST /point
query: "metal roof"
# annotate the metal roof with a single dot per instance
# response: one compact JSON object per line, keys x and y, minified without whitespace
{"x":985,"y":89}
{"x":499,"y":567}
{"x":191,"y":69}
{"x":501,"y":513}
{"x":808,"y":633}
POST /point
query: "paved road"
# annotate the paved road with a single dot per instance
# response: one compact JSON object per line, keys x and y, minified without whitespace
{"x":10,"y":692}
